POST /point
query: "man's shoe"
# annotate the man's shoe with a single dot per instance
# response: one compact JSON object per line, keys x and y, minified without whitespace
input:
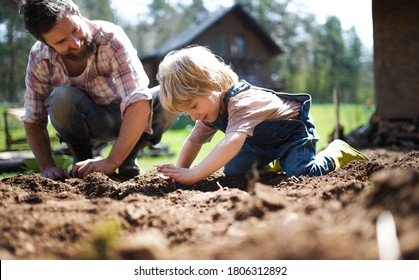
{"x":129,"y":171}
{"x":343,"y":153}
{"x":129,"y":167}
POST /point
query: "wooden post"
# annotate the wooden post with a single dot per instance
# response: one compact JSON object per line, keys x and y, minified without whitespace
{"x":336,"y":103}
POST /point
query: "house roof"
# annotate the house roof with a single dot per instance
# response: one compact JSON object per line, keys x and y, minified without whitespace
{"x":187,"y":36}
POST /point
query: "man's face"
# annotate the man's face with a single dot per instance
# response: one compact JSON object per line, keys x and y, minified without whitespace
{"x":71,"y":38}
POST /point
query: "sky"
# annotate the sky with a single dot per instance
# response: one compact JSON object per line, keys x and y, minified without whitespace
{"x":351,"y":13}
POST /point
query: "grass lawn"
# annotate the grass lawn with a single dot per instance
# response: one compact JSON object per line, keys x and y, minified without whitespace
{"x":351,"y":117}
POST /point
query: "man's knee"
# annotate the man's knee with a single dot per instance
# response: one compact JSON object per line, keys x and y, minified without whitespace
{"x":63,"y":105}
{"x":63,"y":95}
{"x":62,"y":100}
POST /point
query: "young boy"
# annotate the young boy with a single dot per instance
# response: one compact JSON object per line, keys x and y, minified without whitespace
{"x":260,"y":125}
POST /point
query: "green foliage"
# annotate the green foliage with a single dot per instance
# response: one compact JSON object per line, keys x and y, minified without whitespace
{"x":96,"y":9}
{"x":316,"y":56}
{"x":14,"y":48}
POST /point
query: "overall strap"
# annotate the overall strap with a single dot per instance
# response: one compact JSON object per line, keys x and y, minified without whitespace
{"x":236,"y":88}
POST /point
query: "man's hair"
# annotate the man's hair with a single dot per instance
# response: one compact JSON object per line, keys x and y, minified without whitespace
{"x":189,"y":73}
{"x":40,"y":16}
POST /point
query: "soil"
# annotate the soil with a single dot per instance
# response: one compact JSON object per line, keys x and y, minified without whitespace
{"x":265,"y":217}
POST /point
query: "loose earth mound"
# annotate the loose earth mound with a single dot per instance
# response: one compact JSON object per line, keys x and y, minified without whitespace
{"x":271,"y":217}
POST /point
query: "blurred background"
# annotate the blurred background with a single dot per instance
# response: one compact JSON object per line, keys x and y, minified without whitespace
{"x":295,"y":45}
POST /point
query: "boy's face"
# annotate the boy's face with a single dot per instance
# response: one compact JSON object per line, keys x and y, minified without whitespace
{"x":70,"y":38}
{"x":204,"y":108}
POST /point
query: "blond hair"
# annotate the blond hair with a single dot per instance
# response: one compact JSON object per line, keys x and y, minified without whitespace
{"x":189,"y":73}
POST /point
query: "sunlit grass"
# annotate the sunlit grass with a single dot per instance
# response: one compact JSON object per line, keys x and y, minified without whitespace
{"x":351,"y":116}
{"x":174,"y":139}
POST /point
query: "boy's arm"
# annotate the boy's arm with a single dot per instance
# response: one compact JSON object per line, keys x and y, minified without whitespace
{"x":225,"y":150}
{"x":188,"y":153}
{"x":222,"y":153}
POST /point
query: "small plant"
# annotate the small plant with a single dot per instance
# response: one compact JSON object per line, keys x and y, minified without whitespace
{"x":99,"y":244}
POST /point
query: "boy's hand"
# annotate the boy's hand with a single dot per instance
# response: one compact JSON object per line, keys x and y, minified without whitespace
{"x":184,"y":176}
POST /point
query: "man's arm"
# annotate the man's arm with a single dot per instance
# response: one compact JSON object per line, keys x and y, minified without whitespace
{"x":38,"y":140}
{"x":133,"y":125}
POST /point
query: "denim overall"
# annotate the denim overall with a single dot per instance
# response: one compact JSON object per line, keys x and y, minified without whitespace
{"x":293,"y":141}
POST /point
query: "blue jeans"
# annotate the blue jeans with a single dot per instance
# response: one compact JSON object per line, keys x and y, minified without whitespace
{"x":79,"y":121}
{"x":84,"y":125}
{"x":295,"y":148}
{"x":293,"y":141}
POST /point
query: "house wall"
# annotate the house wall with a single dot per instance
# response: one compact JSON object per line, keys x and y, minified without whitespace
{"x":396,"y":56}
{"x":256,"y":66}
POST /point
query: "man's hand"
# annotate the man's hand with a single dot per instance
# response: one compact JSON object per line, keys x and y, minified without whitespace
{"x":83,"y":168}
{"x":54,"y":173}
{"x":38,"y":140}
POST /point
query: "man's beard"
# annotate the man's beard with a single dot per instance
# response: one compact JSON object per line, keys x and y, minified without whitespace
{"x":90,"y":48}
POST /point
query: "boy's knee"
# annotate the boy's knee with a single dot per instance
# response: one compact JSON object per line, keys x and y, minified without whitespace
{"x":234,"y":170}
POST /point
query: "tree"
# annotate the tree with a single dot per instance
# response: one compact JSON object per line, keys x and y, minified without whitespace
{"x":152,"y":28}
{"x":316,"y":56}
{"x":196,"y":12}
{"x":96,"y":9}
{"x":336,"y":62}
{"x":15,"y":44}
{"x":353,"y":63}
{"x":14,"y":48}
{"x":161,"y":12}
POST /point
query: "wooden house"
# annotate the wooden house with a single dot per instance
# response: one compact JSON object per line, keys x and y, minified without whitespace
{"x":233,"y":35}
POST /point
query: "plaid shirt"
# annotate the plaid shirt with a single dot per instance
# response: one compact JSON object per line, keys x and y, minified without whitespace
{"x":114,"y":73}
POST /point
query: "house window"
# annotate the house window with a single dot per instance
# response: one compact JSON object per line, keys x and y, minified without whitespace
{"x":238,"y":47}
{"x":228,"y":45}
{"x":220,"y":44}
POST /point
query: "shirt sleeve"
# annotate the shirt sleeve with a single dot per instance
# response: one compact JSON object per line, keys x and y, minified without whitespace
{"x":38,"y":88}
{"x":202,"y":133}
{"x":130,"y":79}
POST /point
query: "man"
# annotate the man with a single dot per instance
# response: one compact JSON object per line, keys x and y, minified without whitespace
{"x":87,"y":77}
